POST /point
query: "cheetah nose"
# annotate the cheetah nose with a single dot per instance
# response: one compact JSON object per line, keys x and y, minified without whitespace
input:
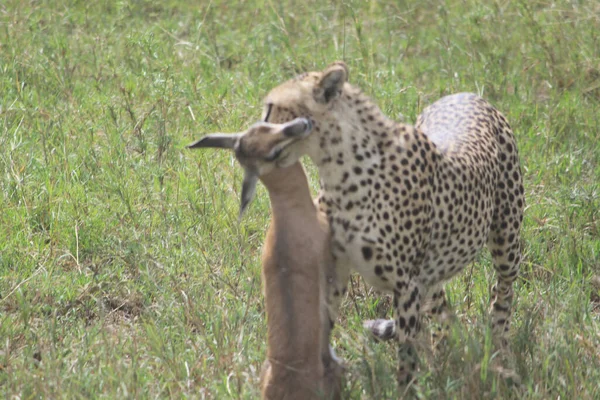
{"x":298,"y":128}
{"x":308,"y":125}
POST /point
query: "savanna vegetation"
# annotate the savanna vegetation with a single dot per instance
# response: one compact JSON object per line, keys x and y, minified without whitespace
{"x":124,"y":271}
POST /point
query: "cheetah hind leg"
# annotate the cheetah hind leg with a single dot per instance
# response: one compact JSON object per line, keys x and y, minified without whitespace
{"x":506,"y":256}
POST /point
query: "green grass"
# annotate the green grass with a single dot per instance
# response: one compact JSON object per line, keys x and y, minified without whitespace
{"x":123,"y":269}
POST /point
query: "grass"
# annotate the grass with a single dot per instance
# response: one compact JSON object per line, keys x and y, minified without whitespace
{"x":123,"y":269}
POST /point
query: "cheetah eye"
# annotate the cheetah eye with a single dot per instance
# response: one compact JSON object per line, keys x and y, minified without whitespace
{"x":268,"y":113}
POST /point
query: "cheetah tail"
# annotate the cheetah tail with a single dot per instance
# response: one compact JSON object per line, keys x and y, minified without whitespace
{"x":381,"y":329}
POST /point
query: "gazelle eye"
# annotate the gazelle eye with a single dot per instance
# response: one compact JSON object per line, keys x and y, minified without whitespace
{"x":268,"y":113}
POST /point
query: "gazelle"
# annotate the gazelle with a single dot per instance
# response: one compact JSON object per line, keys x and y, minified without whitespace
{"x":295,"y":260}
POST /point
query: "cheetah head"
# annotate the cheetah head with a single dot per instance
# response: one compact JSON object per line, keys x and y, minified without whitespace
{"x":258,"y":149}
{"x":312,"y":95}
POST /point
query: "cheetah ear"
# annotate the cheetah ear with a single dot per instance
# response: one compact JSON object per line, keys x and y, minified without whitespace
{"x":331,"y":83}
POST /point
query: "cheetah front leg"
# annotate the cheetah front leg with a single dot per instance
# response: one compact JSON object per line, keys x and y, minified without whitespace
{"x":336,"y":285}
{"x":435,"y":308}
{"x":407,"y":306}
{"x":438,"y":313}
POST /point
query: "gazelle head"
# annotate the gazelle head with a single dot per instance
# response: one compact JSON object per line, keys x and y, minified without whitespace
{"x":259,"y":149}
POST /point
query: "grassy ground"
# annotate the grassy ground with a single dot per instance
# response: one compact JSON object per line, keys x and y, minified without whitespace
{"x":123,"y":269}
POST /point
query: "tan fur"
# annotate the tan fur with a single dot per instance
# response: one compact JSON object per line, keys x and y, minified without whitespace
{"x":295,"y":253}
{"x":296,"y":258}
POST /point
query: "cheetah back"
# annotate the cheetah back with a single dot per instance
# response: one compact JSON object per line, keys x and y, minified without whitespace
{"x":479,"y":171}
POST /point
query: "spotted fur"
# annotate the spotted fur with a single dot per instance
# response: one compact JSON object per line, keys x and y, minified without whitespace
{"x":409,"y":206}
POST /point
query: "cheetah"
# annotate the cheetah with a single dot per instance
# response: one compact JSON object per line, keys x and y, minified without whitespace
{"x":408,"y":206}
{"x":296,"y":253}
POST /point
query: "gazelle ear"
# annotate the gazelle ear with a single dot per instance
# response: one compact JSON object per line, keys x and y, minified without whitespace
{"x":331,"y":83}
{"x":216,"y":140}
{"x":248,"y":189}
